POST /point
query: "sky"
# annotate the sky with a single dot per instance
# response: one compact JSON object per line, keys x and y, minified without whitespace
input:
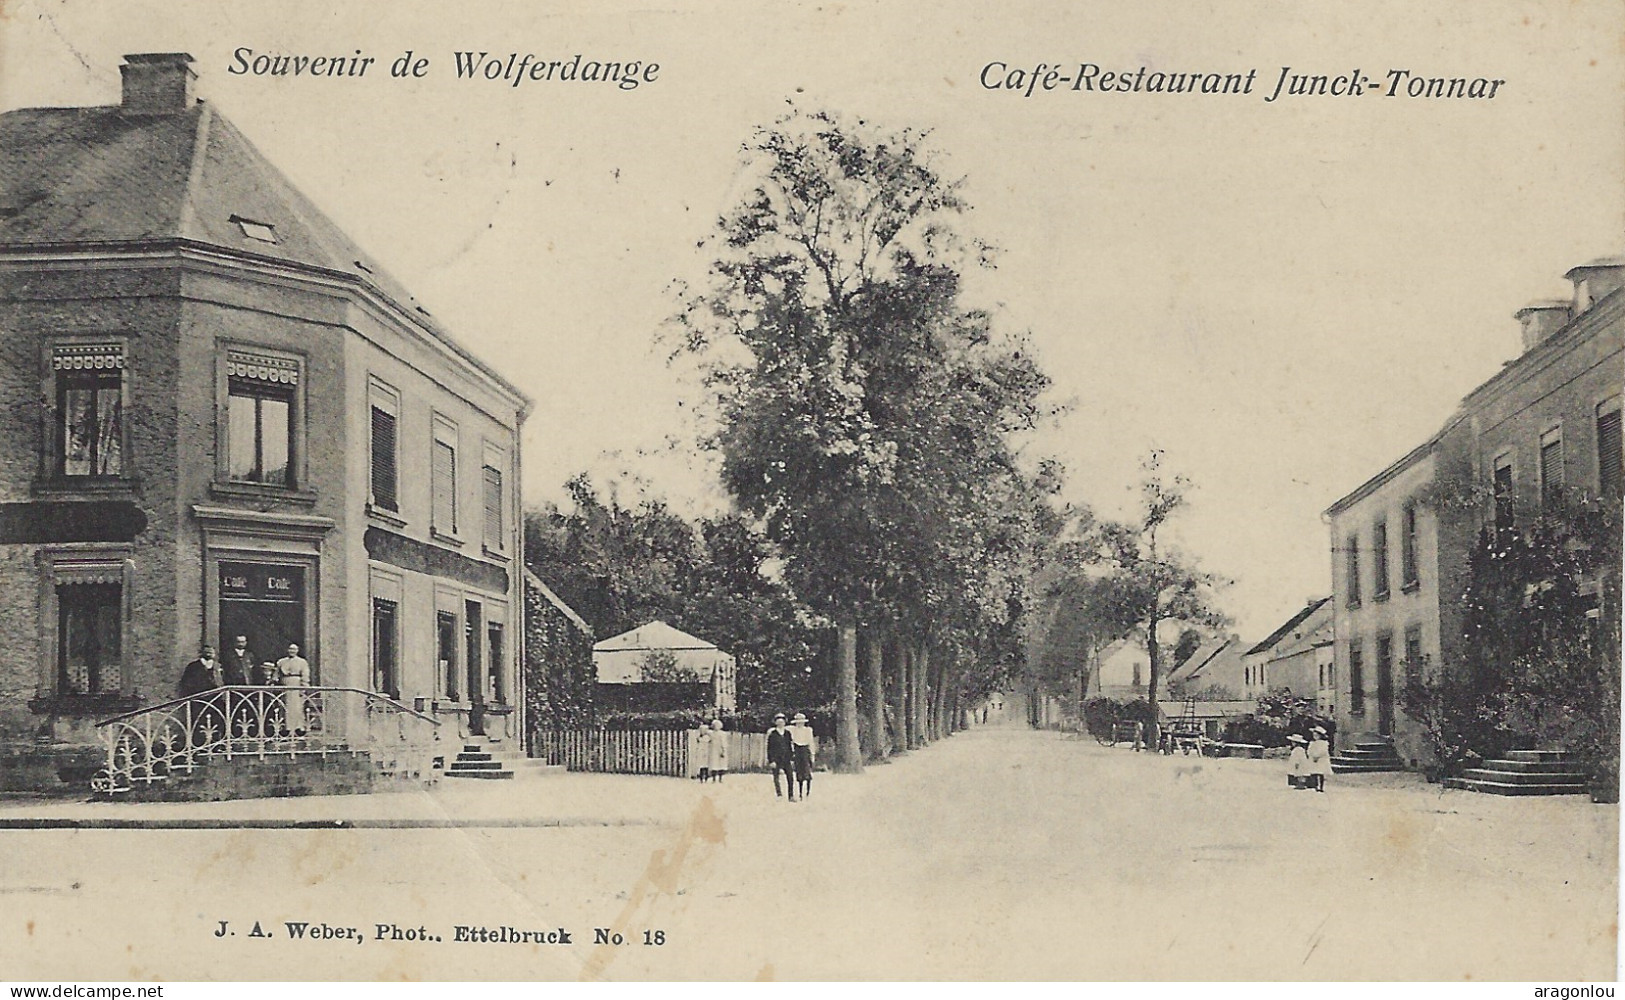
{"x":1282,"y":296}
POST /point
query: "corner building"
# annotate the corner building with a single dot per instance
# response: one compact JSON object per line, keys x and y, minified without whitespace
{"x":223,"y":418}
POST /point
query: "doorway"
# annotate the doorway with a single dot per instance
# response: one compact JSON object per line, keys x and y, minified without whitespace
{"x":1385,"y":685}
{"x":265,"y":602}
{"x":472,"y":613}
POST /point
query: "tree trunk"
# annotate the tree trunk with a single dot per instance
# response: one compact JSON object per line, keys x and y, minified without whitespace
{"x":849,"y":756}
{"x":905,"y":680}
{"x":1155,"y":675}
{"x":922,"y":666}
{"x":875,"y":691}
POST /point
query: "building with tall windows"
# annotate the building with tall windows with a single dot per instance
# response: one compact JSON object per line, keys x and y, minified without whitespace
{"x":1544,"y":430}
{"x":222,"y":418}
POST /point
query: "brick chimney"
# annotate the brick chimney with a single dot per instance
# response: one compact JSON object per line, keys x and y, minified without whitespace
{"x":1594,"y":280}
{"x":158,"y":83}
{"x":1541,"y":319}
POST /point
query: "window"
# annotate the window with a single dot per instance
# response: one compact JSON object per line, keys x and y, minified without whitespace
{"x":1407,"y":548}
{"x":446,"y":643}
{"x":443,"y":476}
{"x":260,"y":397}
{"x":385,"y":655}
{"x":498,"y":665}
{"x":1356,"y":678}
{"x":1351,"y":562}
{"x":261,"y":231}
{"x":1551,"y":466}
{"x":1379,"y":560}
{"x":1413,"y":653}
{"x":89,"y":428}
{"x":492,"y":480}
{"x":89,"y":630}
{"x":383,"y":461}
{"x":1610,"y":450}
{"x":1501,"y":487}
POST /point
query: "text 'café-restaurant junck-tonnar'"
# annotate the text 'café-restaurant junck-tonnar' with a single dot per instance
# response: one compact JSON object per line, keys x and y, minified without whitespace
{"x":224,"y":419}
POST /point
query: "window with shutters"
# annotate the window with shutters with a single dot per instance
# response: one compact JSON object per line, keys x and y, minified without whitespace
{"x":491,"y":484}
{"x":1409,"y":580}
{"x":1351,"y":564}
{"x":383,"y":461}
{"x":87,"y":434}
{"x":1551,"y":466}
{"x":443,"y":479}
{"x":1379,"y":560}
{"x":1610,"y":456}
{"x":1501,"y":487}
{"x":1413,"y":653}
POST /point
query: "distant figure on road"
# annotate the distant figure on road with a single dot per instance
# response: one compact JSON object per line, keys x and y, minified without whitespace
{"x":718,"y":750}
{"x":702,"y":753}
{"x":781,"y":756}
{"x":1139,"y":736}
{"x":1320,"y":759}
{"x":1297,"y":774}
{"x":801,"y":739}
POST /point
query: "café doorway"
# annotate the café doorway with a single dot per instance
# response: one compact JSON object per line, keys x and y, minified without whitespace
{"x":265,"y":602}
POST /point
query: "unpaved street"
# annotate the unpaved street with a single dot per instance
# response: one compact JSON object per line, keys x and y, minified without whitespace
{"x":997,"y":853}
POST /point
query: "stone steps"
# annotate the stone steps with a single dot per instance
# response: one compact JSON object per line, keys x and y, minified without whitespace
{"x":1525,"y":772}
{"x":1367,"y":755}
{"x":476,"y":761}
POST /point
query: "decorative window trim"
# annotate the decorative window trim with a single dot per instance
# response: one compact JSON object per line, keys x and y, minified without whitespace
{"x":78,"y":355}
{"x":81,"y":564}
{"x":262,"y":366}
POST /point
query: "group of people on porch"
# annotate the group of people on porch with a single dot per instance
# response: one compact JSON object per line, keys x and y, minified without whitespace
{"x":238,"y":669}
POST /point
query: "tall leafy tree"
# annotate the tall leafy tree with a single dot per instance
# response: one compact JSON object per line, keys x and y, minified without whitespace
{"x":862,"y":413}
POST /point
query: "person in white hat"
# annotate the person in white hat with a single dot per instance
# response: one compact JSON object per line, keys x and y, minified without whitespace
{"x":1319,"y":759}
{"x":801,"y":737}
{"x":1297,"y":763}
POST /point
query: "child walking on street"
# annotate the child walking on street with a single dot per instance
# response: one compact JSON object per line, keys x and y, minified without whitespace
{"x":1320,"y":759}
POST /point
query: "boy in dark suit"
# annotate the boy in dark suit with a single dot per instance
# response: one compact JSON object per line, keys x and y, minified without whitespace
{"x":781,"y":756}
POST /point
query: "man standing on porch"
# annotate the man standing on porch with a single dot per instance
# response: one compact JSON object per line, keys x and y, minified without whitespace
{"x":239,"y":667}
{"x":202,"y":674}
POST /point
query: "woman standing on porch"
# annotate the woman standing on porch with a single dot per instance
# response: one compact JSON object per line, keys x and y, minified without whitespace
{"x":294,"y":673}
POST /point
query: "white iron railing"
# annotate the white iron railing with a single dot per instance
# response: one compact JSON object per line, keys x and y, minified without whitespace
{"x":150,"y":744}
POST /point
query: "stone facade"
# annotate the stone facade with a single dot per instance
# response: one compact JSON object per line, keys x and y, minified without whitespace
{"x":1536,"y":432}
{"x":249,"y":379}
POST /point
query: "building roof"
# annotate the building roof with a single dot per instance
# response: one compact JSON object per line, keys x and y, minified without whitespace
{"x":654,"y":635}
{"x":1291,"y":623}
{"x":558,"y":602}
{"x":99,"y":176}
{"x":1191,"y":668}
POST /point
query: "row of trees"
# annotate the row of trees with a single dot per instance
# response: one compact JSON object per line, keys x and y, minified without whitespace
{"x":871,"y":423}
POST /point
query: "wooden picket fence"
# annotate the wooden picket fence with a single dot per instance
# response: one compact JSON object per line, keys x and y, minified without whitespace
{"x":647,"y":752}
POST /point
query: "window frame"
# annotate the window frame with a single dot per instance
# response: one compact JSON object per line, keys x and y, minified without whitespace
{"x":1356,"y":660}
{"x":231,"y":354}
{"x":1410,"y":531}
{"x":1351,"y":569}
{"x":494,"y":459}
{"x":83,"y":563}
{"x":387,"y":400}
{"x":1605,"y":407}
{"x":1503,"y":505}
{"x":1550,"y":492}
{"x":444,"y":432}
{"x":1379,"y":559}
{"x":56,"y":360}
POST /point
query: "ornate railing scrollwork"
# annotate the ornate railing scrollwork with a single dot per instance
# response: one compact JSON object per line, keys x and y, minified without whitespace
{"x":150,"y":744}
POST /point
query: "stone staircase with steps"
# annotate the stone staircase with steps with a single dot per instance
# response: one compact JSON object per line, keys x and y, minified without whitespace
{"x":1525,"y":772}
{"x":1367,"y":755}
{"x":482,"y":759}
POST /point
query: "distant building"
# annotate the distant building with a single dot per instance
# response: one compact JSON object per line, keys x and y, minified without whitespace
{"x":223,"y":418}
{"x":1286,"y":658}
{"x":657,"y":666}
{"x":1545,"y":429}
{"x":1217,"y":666}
